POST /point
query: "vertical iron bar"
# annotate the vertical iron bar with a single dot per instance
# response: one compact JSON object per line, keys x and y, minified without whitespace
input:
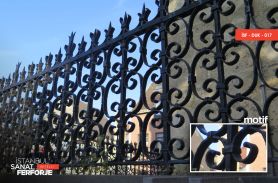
{"x":120,"y":141}
{"x":41,"y":115}
{"x":63,"y":111}
{"x":32,"y":104}
{"x":230,"y":163}
{"x":9,"y":109}
{"x":4,"y":106}
{"x":89,"y":113}
{"x":165,"y":84}
{"x":17,"y":117}
{"x":25,"y":104}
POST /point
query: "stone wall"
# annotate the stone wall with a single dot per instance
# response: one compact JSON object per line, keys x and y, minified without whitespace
{"x":243,"y":68}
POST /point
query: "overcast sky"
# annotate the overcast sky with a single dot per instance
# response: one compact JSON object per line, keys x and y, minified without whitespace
{"x":31,"y":29}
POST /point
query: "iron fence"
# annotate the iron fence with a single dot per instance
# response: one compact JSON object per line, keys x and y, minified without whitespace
{"x":138,"y":83}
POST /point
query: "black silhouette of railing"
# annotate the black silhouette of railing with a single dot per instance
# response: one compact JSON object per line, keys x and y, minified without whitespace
{"x":143,"y":81}
{"x":234,"y":150}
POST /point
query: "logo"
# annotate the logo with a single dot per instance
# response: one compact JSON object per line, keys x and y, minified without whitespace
{"x":33,"y":166}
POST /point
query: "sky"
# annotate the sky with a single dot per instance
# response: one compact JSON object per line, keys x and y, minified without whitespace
{"x":32,"y":29}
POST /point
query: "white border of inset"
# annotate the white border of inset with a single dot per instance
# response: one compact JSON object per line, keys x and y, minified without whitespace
{"x":266,"y":144}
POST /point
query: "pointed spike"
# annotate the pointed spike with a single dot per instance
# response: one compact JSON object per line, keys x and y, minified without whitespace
{"x":39,"y":66}
{"x":8,"y":81}
{"x":125,"y":21}
{"x":22,"y":74}
{"x":17,"y":66}
{"x":143,"y":16}
{"x":58,"y":57}
{"x":82,"y":45}
{"x":111,"y":26}
{"x":2,"y":82}
{"x":95,"y":37}
{"x":71,"y":46}
{"x":48,"y":61}
{"x":109,"y":32}
{"x":16,"y":73}
{"x":71,"y":37}
{"x":31,"y":69}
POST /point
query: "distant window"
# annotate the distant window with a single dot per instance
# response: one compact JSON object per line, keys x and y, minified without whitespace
{"x":159,"y":136}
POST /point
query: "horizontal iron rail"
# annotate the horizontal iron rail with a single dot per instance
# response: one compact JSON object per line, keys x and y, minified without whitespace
{"x":136,"y":31}
{"x":138,"y":162}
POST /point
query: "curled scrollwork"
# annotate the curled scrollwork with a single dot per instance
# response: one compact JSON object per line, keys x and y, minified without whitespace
{"x":234,"y":146}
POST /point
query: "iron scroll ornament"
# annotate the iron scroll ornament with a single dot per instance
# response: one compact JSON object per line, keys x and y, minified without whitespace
{"x":234,"y":148}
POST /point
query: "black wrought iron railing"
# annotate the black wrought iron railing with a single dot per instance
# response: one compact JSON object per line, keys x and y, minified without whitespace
{"x":183,"y":66}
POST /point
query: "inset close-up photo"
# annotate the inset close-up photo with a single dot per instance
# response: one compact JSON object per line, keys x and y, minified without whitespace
{"x":239,"y":148}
